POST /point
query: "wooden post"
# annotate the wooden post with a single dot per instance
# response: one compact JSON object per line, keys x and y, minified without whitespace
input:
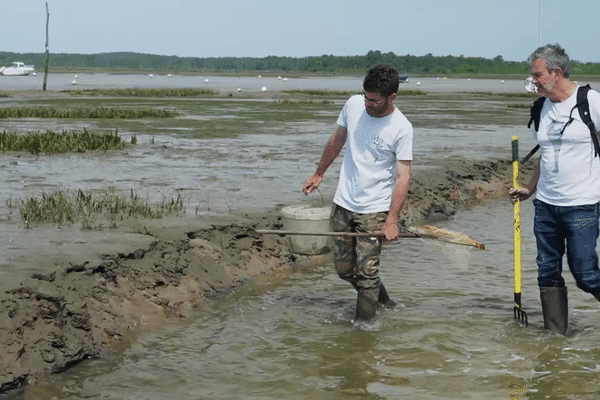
{"x":47,"y":52}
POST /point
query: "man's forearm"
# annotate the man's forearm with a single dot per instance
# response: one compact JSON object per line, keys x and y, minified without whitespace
{"x":332,"y":150}
{"x":400,"y":192}
{"x":532,"y":185}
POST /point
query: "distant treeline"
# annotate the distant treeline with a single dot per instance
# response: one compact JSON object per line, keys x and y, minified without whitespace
{"x":418,"y":65}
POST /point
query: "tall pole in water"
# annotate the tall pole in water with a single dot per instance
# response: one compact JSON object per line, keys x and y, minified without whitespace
{"x":539,"y":23}
{"x":47,"y":51}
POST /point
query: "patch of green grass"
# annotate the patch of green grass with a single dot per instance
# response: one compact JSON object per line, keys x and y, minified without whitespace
{"x":85,"y":112}
{"x":479,"y":93}
{"x":229,"y":118}
{"x":142,"y":92}
{"x":294,"y":101}
{"x":204,"y":119}
{"x":50,"y":142}
{"x":527,"y":95}
{"x":411,"y":92}
{"x":63,"y":207}
{"x":344,"y":93}
{"x":318,"y":92}
{"x":447,"y":110}
{"x":519,"y":105}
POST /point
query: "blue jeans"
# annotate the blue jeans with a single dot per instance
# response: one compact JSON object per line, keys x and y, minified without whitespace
{"x":577,"y":228}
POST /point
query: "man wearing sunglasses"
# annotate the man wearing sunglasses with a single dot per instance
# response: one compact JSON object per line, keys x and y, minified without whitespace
{"x":567,"y":186}
{"x":373,"y":182}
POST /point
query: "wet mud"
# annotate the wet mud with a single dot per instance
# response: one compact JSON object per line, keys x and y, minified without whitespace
{"x":76,"y":309}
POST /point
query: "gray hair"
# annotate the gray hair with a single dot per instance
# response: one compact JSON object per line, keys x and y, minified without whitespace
{"x":554,"y":56}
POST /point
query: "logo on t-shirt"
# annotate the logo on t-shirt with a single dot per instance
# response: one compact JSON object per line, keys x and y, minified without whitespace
{"x":378,"y":142}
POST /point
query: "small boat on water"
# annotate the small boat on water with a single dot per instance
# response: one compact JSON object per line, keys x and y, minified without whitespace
{"x":18,"y":68}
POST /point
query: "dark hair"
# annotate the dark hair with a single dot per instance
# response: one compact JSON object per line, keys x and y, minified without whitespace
{"x":554,"y":56}
{"x":382,"y":79}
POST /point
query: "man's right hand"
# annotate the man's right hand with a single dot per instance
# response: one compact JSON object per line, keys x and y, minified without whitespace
{"x":520,"y":193}
{"x":312,"y":183}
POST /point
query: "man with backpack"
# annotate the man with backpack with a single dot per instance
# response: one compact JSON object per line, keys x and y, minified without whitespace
{"x":566,"y":182}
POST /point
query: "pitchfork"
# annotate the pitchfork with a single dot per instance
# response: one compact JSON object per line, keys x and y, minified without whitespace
{"x":517,"y":310}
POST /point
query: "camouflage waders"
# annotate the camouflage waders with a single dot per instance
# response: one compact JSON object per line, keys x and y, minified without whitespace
{"x":357,"y":258}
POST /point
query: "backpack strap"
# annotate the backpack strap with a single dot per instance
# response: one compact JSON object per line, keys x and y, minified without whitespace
{"x":536,"y":112}
{"x":584,"y":113}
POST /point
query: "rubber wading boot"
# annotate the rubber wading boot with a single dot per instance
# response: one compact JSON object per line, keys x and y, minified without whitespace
{"x":555,"y":309}
{"x":384,"y":299}
{"x":366,"y":303}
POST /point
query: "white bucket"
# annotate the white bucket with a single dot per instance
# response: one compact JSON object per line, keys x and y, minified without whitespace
{"x":304,"y":218}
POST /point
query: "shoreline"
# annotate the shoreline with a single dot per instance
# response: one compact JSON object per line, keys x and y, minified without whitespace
{"x":54,"y":320}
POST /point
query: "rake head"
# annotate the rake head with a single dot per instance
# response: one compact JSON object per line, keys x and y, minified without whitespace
{"x":520,"y":314}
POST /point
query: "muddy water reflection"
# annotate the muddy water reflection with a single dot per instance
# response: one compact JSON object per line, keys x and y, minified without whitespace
{"x":452,"y":336}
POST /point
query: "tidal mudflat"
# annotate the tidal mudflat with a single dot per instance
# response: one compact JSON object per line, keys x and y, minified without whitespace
{"x":69,"y":292}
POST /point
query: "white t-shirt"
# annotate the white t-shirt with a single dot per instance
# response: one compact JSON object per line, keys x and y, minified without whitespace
{"x":569,"y":172}
{"x":373,"y":145}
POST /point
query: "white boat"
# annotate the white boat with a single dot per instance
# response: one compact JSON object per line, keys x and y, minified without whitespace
{"x":18,"y":68}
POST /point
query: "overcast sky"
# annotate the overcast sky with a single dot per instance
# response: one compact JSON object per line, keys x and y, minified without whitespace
{"x":259,"y":28}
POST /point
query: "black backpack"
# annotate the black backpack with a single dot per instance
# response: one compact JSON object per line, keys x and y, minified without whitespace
{"x":584,"y":113}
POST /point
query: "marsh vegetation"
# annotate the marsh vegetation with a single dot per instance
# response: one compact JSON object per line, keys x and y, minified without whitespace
{"x":50,"y":142}
{"x":94,"y":210}
{"x":347,"y":93}
{"x":86,"y":112}
{"x":221,"y":116}
{"x":146,"y":92}
{"x":288,"y":114}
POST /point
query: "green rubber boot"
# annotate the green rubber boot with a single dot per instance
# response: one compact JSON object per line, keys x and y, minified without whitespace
{"x":366,"y":303}
{"x":555,"y":308}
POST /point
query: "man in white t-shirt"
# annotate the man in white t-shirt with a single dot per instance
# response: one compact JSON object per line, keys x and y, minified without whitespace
{"x":567,"y":181}
{"x":373,"y":182}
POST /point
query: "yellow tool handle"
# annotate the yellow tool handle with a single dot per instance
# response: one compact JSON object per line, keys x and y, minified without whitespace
{"x":517,"y":221}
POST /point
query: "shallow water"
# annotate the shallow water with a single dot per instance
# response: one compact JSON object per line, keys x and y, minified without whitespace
{"x":248,"y":84}
{"x":451,"y":336}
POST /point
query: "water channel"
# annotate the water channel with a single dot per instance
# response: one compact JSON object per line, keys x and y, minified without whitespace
{"x":451,"y":336}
